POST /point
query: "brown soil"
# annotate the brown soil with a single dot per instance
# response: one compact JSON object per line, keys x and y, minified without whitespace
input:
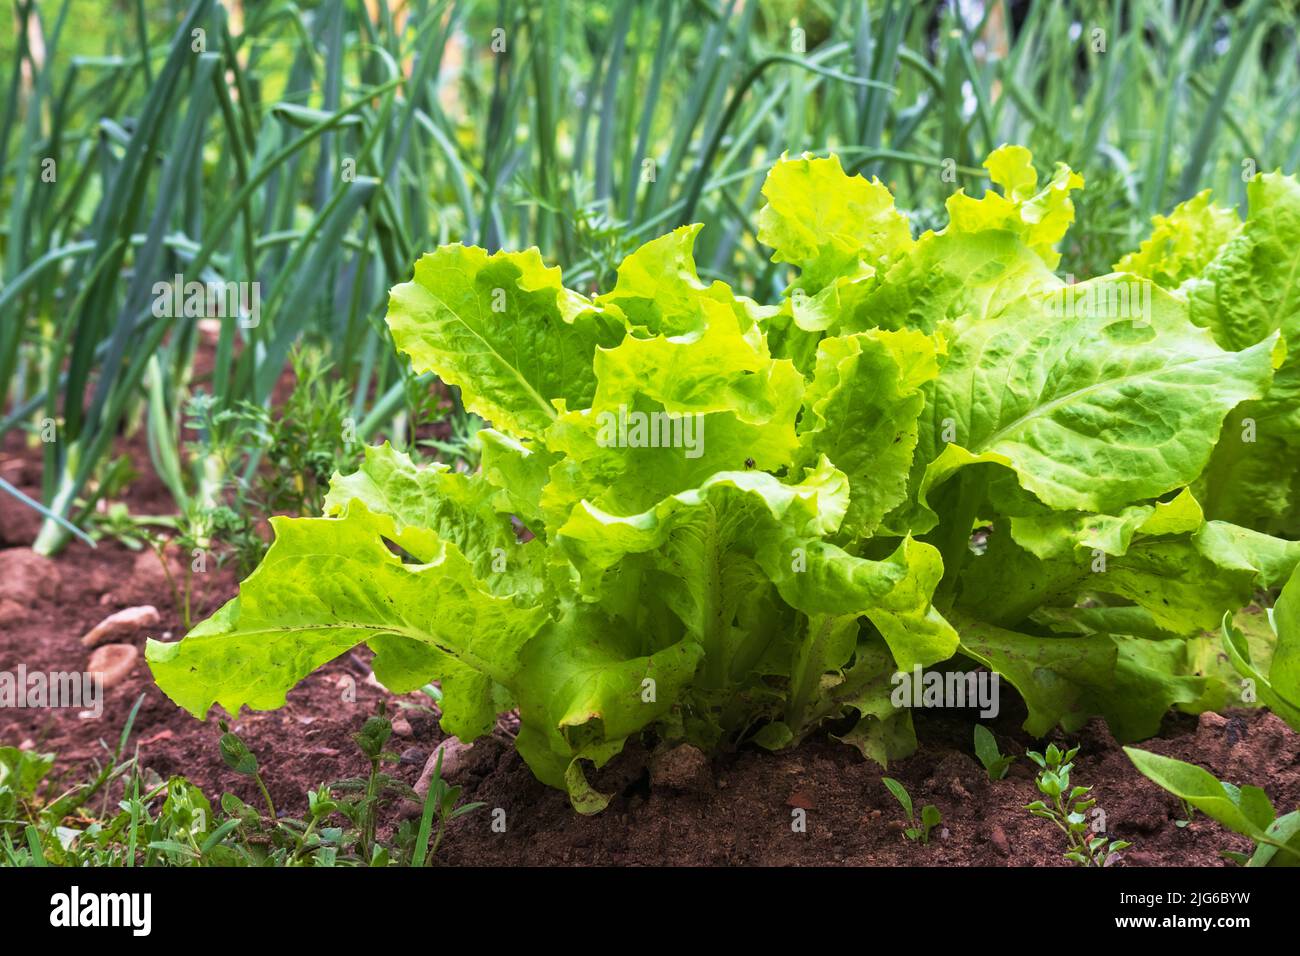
{"x":737,"y":808}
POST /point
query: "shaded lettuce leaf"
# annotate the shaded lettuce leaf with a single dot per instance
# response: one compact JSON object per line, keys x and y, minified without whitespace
{"x":861,"y":410}
{"x":1251,"y":289}
{"x":864,"y":685}
{"x":585,"y":686}
{"x":1131,"y":683}
{"x":518,"y":470}
{"x":708,"y":544}
{"x":883,"y":732}
{"x":1183,"y":574}
{"x":1151,"y":580}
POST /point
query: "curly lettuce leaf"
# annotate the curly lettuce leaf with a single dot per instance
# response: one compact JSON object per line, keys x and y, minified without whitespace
{"x":659,"y":292}
{"x":828,"y":224}
{"x":1249,"y":291}
{"x":587,"y":684}
{"x":457,"y":508}
{"x":1182,"y":244}
{"x":1039,"y":217}
{"x":710,"y":544}
{"x":669,"y":412}
{"x":1064,"y":681}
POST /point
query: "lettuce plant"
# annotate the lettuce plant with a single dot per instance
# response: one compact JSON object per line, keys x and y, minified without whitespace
{"x":743,"y":519}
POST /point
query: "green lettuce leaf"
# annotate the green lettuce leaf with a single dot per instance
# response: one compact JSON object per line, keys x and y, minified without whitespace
{"x":1091,"y":410}
{"x":659,"y":291}
{"x":326,"y":586}
{"x":1250,"y":290}
{"x":503,"y":329}
{"x":861,"y":411}
{"x":1039,"y":217}
{"x":826,"y":223}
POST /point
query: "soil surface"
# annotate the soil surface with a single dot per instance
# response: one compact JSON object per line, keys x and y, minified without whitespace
{"x":678,"y":808}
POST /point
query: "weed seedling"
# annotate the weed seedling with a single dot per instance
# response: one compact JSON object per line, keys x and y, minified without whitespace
{"x":995,"y":762}
{"x":237,"y":756}
{"x":1069,"y":808}
{"x":930,"y":818}
{"x":440,"y":802}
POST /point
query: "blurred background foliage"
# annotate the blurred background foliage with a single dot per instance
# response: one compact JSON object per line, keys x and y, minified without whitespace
{"x":318,"y":148}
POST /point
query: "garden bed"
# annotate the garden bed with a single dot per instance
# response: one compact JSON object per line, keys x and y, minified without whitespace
{"x":736,"y":809}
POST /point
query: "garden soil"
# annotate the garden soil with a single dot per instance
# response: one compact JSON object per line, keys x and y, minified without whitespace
{"x":819,"y":804}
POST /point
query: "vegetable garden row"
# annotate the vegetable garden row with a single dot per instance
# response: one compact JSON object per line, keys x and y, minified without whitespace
{"x":792,"y":400}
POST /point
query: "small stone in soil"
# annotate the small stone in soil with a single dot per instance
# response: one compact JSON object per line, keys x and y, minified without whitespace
{"x":998,"y":837}
{"x":801,"y":800}
{"x":113,"y":661}
{"x":454,"y":757}
{"x":1209,"y":720}
{"x":124,"y":623}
